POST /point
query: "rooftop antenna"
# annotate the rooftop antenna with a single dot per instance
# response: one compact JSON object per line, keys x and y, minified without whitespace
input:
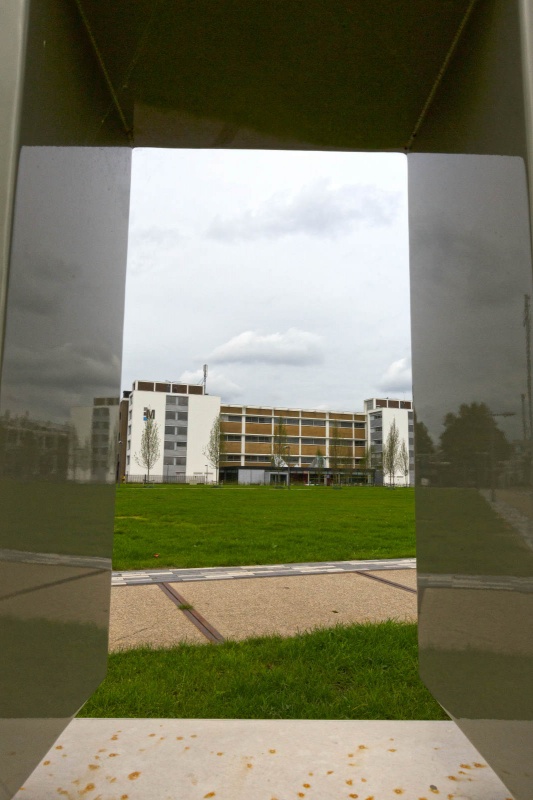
{"x":205,"y":378}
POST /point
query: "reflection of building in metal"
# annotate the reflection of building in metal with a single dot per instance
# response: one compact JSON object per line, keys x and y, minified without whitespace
{"x":93,"y":441}
{"x":32,"y":448}
{"x":381,"y":413}
{"x":316,"y":444}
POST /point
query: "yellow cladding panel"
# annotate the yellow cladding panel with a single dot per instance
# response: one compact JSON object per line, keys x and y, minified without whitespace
{"x":310,"y":449}
{"x":259,"y":412}
{"x":261,"y":428}
{"x":292,"y":430}
{"x":280,"y":412}
{"x":340,"y":416}
{"x":230,"y":427}
{"x":258,"y":448}
{"x":232,"y":447}
{"x":311,"y":430}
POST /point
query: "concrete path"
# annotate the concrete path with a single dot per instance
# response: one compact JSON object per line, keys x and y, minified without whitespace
{"x":136,"y":577}
{"x":166,"y":613}
{"x":172,"y":759}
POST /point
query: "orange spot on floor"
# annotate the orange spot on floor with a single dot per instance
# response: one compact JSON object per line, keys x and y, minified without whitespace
{"x":46,"y":763}
{"x":194,"y":736}
{"x":59,"y":747}
{"x":249,"y":766}
{"x":398,"y":791}
{"x":209,"y":794}
{"x":179,"y":738}
{"x":465,"y":766}
{"x":306,"y":785}
{"x":301,"y":794}
{"x":220,"y":754}
{"x":123,"y":797}
{"x":452,"y":778}
{"x":150,"y":735}
{"x":134,"y":775}
{"x":329,"y":772}
{"x":350,"y":782}
{"x":353,"y":795}
{"x":363,"y":747}
{"x":94,"y":766}
{"x":350,"y":755}
{"x":479,"y":766}
{"x":271,"y":751}
{"x":88,"y":788}
{"x":112,"y":755}
{"x":114,"y":737}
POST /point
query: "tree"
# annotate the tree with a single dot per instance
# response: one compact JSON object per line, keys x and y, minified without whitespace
{"x":391,"y":452}
{"x":319,"y":464}
{"x":216,"y":447}
{"x":280,"y":447}
{"x":473,"y":445}
{"x":335,"y":453}
{"x":403,"y":461}
{"x":150,"y":451}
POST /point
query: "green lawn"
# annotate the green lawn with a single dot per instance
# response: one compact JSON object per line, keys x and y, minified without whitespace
{"x":357,"y":672}
{"x":201,"y":526}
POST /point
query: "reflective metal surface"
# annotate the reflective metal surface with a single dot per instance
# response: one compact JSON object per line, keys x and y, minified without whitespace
{"x":59,"y":391}
{"x":471,"y":285}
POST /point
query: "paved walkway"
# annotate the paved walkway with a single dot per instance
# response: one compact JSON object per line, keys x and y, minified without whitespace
{"x":166,"y":607}
{"x":136,"y":577}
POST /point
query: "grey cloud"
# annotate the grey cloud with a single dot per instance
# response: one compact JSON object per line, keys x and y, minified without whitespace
{"x":397,"y":377}
{"x":317,"y":210}
{"x":294,"y":347}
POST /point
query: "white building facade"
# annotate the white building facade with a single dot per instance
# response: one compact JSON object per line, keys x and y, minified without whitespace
{"x":184,"y":417}
{"x":381,"y":413}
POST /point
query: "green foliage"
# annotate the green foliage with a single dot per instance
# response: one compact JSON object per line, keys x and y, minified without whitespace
{"x":216,"y":446}
{"x":355,"y":672}
{"x":149,"y":453}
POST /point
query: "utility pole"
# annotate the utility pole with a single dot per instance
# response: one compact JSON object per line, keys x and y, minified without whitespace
{"x":205,"y":379}
{"x":527,"y":326}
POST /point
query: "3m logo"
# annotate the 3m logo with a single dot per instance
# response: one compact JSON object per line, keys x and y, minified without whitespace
{"x":149,"y":413}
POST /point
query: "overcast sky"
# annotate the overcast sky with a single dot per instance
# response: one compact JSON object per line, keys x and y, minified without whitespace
{"x":285,"y":272}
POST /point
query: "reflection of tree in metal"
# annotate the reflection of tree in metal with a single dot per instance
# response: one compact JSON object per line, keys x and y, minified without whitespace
{"x":472,"y":446}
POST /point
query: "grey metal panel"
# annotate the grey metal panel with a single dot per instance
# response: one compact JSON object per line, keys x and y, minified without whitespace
{"x":470,"y":274}
{"x":62,"y":350}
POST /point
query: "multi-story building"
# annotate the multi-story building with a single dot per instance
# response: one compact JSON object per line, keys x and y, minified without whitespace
{"x":313,"y":442}
{"x":380,"y":414}
{"x":315,"y":445}
{"x":184,"y":416}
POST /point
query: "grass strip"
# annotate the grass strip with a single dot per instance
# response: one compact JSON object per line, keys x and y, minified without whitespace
{"x":187,"y":526}
{"x":367,"y":671}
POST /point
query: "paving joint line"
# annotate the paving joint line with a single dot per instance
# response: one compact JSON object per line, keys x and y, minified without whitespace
{"x":384,"y":580}
{"x":199,"y":621}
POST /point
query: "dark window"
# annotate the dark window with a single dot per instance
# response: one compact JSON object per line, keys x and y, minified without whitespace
{"x":259,"y":420}
{"x":183,"y":416}
{"x":318,"y":422}
{"x":258,"y":439}
{"x":232,"y":437}
{"x":171,"y":415}
{"x":169,"y":430}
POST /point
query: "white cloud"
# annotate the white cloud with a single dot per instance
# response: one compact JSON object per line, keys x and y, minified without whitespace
{"x":294,"y":347}
{"x":319,"y":210}
{"x":397,"y":377}
{"x":217,"y":384}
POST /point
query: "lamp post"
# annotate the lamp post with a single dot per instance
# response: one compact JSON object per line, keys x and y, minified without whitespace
{"x":206,"y":473}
